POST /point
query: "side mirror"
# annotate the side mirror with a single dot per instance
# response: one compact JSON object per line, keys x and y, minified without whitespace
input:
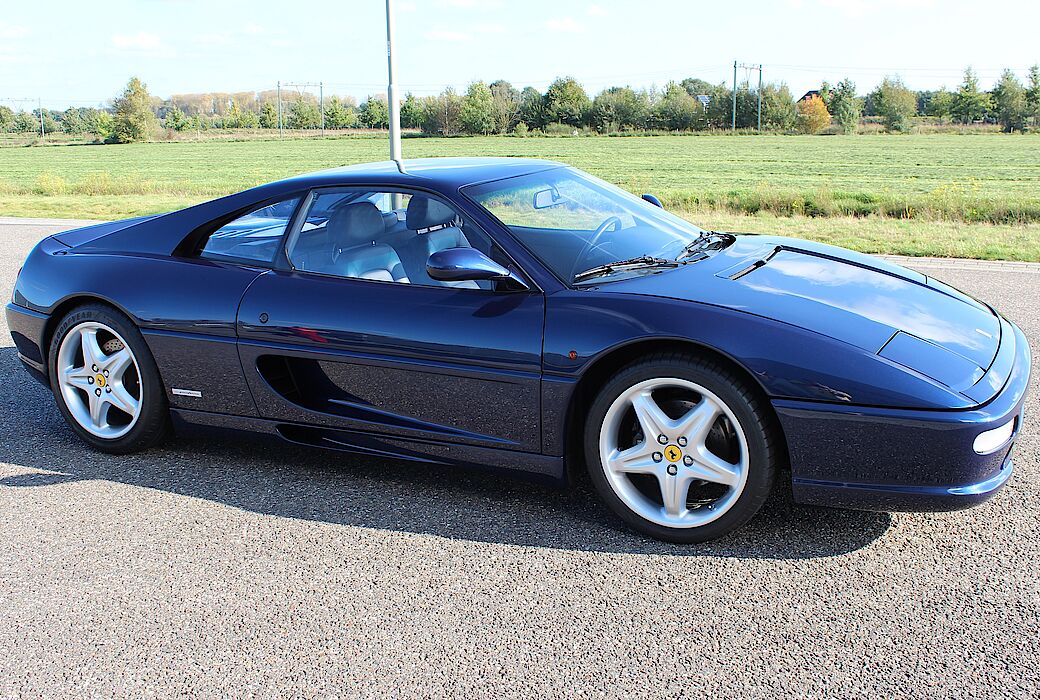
{"x":549,"y":197}
{"x":653,"y":200}
{"x":467,"y":264}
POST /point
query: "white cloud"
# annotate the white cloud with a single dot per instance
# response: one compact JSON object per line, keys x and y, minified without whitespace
{"x":213,"y":39}
{"x":564,"y":24}
{"x":12,"y":31}
{"x":445,"y":35}
{"x":9,"y":54}
{"x":596,"y":11}
{"x":141,"y":41}
{"x":489,"y":28}
{"x":472,"y":4}
{"x":228,"y":38}
{"x":861,"y":8}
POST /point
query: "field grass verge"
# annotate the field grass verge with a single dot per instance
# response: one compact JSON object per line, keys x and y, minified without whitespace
{"x":944,"y":239}
{"x":943,"y":194}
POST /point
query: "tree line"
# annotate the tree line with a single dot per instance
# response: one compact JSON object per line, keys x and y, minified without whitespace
{"x":565,"y":107}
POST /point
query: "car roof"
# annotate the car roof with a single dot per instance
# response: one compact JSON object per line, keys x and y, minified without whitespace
{"x":438,"y":172}
{"x":445,"y":175}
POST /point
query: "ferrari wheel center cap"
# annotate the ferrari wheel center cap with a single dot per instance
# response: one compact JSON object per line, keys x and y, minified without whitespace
{"x":672,"y":453}
{"x":99,"y":379}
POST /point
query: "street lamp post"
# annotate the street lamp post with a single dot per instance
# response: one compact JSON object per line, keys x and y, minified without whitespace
{"x":391,"y":90}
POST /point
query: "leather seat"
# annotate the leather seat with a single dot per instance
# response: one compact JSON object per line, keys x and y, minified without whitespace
{"x":354,"y":232}
{"x":312,"y":250}
{"x":422,"y":215}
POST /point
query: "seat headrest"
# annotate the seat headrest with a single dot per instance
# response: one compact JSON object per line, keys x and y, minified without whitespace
{"x":424,"y":212}
{"x":355,"y":224}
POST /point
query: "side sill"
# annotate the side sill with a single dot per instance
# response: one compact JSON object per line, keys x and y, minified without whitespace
{"x":542,"y":467}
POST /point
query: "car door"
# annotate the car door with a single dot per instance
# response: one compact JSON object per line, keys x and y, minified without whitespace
{"x":380,"y":353}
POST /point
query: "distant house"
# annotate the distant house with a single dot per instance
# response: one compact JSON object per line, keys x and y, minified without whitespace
{"x":811,"y":93}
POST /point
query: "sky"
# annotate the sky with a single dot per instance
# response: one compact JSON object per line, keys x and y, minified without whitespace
{"x":81,"y":54}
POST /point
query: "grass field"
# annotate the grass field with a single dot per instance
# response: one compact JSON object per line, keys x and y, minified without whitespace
{"x":943,"y":194}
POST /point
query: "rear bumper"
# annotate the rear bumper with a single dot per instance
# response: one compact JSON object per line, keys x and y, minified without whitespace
{"x":27,"y":330}
{"x":903,"y":460}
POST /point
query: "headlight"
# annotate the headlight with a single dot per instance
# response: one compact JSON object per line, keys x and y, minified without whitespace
{"x":991,"y":440}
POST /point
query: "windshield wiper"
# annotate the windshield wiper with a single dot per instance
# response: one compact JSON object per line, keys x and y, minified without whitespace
{"x":708,"y":240}
{"x":617,"y":265}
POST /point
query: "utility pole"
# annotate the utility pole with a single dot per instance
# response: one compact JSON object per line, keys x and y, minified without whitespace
{"x":321,"y":98}
{"x":734,"y":96}
{"x":760,"y":98}
{"x":748,"y":66}
{"x":391,"y":88}
{"x":279,"y":92}
{"x":39,"y":108}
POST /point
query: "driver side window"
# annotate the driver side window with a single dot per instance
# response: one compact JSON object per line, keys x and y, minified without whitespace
{"x":382,"y":236}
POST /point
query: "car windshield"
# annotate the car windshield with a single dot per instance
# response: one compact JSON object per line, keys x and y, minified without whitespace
{"x":582,"y":227}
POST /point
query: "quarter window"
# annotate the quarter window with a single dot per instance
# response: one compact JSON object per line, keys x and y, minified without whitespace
{"x":253,"y":236}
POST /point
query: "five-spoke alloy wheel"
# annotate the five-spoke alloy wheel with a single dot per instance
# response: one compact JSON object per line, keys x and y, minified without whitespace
{"x":680,"y":448}
{"x":100,"y":380}
{"x":105,"y":380}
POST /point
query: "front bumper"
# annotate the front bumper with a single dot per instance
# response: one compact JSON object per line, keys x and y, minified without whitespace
{"x":903,"y":460}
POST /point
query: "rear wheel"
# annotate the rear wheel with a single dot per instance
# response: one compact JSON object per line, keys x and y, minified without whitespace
{"x":680,"y":448}
{"x":105,"y":381}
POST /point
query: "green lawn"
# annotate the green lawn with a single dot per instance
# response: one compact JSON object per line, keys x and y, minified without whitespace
{"x":943,"y":194}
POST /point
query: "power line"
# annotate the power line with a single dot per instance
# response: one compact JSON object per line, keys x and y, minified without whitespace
{"x":749,"y":67}
{"x":321,"y":98}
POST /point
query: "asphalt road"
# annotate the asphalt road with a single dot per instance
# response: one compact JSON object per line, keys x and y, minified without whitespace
{"x":250,"y":568}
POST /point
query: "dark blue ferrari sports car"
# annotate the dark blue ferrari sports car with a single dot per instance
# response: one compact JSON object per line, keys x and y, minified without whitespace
{"x":524,"y":315}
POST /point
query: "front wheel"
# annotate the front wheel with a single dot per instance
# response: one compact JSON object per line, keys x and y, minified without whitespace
{"x":106,"y":382}
{"x":681,"y":448}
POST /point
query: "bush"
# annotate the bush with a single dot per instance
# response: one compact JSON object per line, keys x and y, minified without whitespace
{"x":845,"y":106}
{"x":813,"y":116}
{"x":303,"y":114}
{"x":25,"y":123}
{"x":558,"y":129}
{"x":134,"y":118}
{"x":176,"y":120}
{"x":478,"y":109}
{"x":970,"y":105}
{"x":566,"y":102}
{"x":72,"y":121}
{"x":676,"y":110}
{"x":532,"y":107}
{"x":895,"y":103}
{"x":375,"y":113}
{"x":1010,"y":104}
{"x":442,"y":114}
{"x":100,"y":124}
{"x":268,"y":116}
{"x":520,"y":130}
{"x":341,"y":115}
{"x":619,"y":108}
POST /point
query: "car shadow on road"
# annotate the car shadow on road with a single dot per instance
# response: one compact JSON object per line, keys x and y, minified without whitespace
{"x":266,"y":476}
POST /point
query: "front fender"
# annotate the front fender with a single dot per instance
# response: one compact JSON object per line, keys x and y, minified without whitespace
{"x":787,"y":361}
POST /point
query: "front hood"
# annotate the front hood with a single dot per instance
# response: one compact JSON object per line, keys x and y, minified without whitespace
{"x":882,"y":308}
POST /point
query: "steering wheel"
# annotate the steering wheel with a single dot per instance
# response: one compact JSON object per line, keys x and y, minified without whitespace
{"x":610,"y":223}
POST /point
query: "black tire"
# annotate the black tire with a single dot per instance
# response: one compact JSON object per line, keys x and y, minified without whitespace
{"x":153,"y":421}
{"x":755,"y":418}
